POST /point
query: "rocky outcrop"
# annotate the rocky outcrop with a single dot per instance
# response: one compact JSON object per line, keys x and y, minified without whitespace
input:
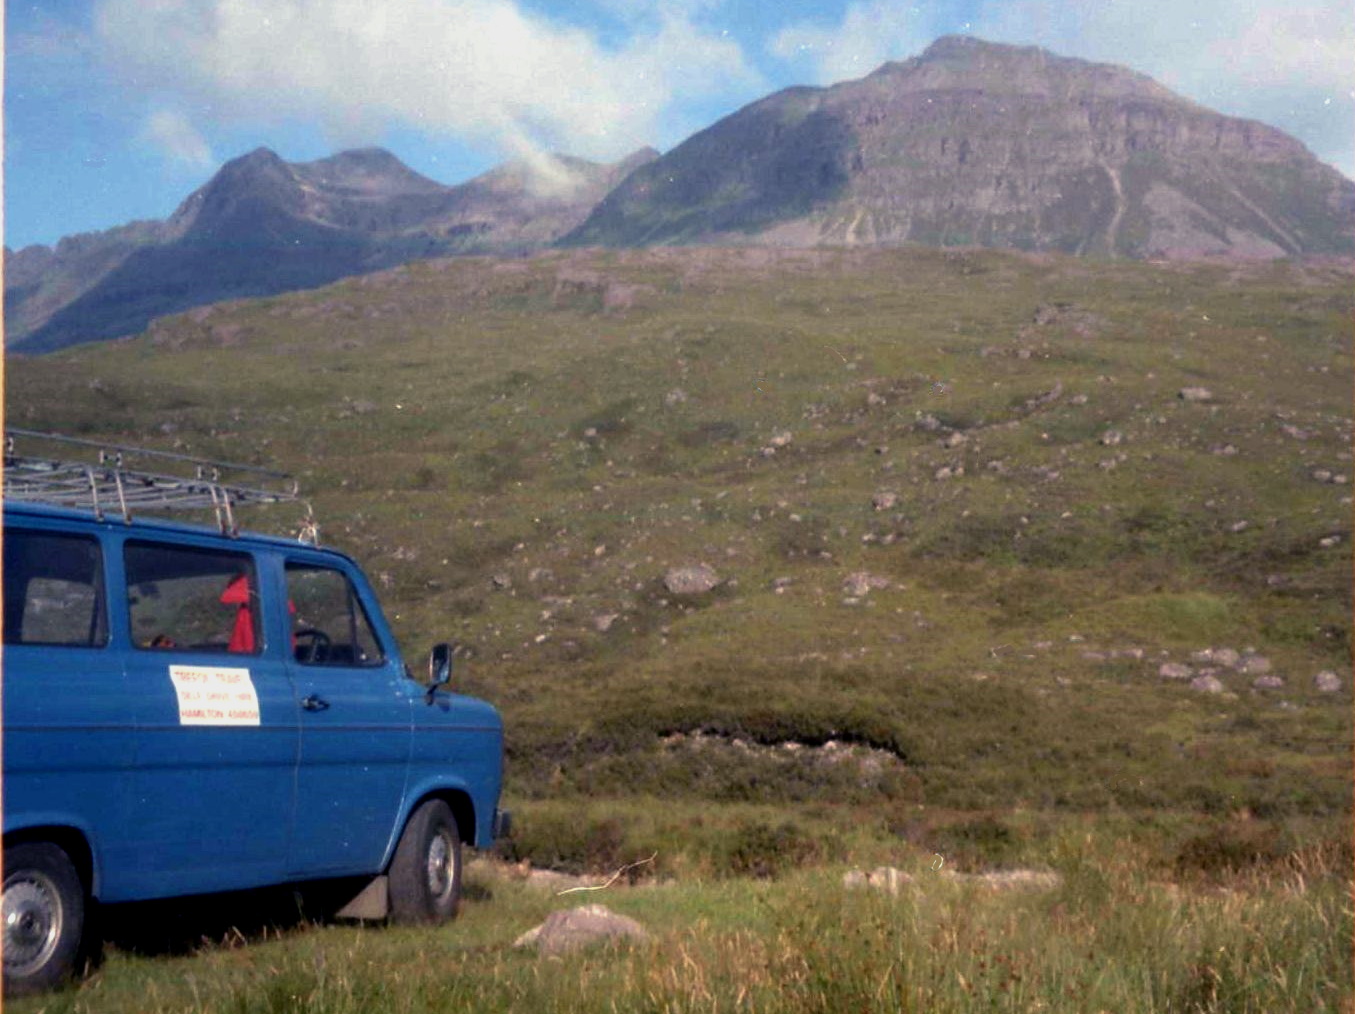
{"x":576,"y":928}
{"x":973,"y":143}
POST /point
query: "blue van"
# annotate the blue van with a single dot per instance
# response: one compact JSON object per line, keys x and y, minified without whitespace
{"x":191,"y":710}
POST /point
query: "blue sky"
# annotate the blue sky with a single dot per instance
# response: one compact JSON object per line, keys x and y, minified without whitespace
{"x":116,"y":109}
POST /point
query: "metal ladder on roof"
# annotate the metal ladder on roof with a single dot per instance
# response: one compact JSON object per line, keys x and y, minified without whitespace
{"x":133,"y":479}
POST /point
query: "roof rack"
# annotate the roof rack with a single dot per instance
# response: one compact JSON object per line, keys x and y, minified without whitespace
{"x":124,"y":479}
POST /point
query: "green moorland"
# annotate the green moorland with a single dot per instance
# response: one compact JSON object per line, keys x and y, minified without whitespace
{"x":960,"y":514}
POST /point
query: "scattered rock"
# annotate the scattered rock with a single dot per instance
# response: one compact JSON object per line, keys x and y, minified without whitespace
{"x":929,"y":423}
{"x":1207,"y":684}
{"x":1226,"y":450}
{"x":692,"y":580}
{"x":1239,"y":526}
{"x":882,"y":878}
{"x":675,"y":397}
{"x":1327,"y":682}
{"x":884,"y":500}
{"x":1227,"y":656}
{"x":861,"y":583}
{"x":603,"y":621}
{"x":1195,"y":394}
{"x":944,"y":472}
{"x":1267,"y":683}
{"x":501,"y":580}
{"x":1041,"y":879}
{"x":1254,"y":665}
{"x":955,"y":439}
{"x":575,"y":928}
{"x":781,"y":439}
{"x":1329,"y":541}
{"x":1174,"y":671}
{"x":1111,"y":438}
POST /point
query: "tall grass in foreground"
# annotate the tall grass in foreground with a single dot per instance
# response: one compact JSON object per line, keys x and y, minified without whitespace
{"x":1108,"y":939}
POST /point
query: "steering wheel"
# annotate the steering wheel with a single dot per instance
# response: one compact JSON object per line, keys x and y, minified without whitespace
{"x":314,"y":653}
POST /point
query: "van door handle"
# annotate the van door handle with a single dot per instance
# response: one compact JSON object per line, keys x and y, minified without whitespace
{"x":313,"y":702}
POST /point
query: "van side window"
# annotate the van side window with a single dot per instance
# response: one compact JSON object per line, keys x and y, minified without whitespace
{"x":188,"y":599}
{"x":54,"y":590}
{"x":329,"y":625}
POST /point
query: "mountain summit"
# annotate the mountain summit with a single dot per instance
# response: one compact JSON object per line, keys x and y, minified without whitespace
{"x":975,"y":143}
{"x":262,"y":225}
{"x":969,"y":144}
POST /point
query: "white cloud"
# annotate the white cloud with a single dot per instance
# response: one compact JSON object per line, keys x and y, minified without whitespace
{"x":171,"y":131}
{"x":1285,"y":63}
{"x":870,"y":34}
{"x":484,"y":70}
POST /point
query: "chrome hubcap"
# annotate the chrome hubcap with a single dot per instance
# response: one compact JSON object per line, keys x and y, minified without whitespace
{"x":440,"y":862}
{"x":32,"y":912}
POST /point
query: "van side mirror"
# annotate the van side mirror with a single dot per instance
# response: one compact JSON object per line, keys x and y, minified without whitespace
{"x":439,"y":668}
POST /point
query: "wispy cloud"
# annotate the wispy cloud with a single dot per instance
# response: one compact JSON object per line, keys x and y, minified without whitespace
{"x":171,"y":132}
{"x":869,"y":34}
{"x":487,"y":71}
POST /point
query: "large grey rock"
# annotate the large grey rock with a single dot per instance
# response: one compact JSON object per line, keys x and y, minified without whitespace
{"x":1174,"y":671}
{"x":1327,"y":682}
{"x":882,"y":878}
{"x":862,"y":583}
{"x":696,"y":579}
{"x":884,"y":500}
{"x":1207,"y":684}
{"x":575,"y":928}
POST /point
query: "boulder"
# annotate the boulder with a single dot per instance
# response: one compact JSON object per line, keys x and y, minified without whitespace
{"x":882,"y":878}
{"x":696,"y":579}
{"x":1327,"y":682}
{"x":1174,"y":671}
{"x":1207,"y":684}
{"x":575,"y":928}
{"x":861,"y":583}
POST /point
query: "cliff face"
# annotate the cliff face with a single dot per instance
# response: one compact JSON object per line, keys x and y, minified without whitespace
{"x":979,"y":144}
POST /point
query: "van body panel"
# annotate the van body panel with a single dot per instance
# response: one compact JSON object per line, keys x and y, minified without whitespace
{"x":312,"y":776}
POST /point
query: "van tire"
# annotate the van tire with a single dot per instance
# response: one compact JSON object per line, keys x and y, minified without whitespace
{"x":44,"y":917}
{"x":425,"y":875}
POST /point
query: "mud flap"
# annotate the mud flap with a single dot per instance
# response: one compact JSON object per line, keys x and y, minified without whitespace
{"x":372,"y":902}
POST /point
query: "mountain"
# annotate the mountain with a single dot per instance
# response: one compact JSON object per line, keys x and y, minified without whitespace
{"x":974,"y":143}
{"x":262,"y":226}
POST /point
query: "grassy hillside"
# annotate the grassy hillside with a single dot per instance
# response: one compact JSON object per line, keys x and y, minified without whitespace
{"x":960,"y":515}
{"x":959,"y":510}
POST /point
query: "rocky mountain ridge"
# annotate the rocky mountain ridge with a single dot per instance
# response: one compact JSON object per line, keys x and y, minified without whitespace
{"x":968,"y":144}
{"x":262,"y":226}
{"x":978,"y":144}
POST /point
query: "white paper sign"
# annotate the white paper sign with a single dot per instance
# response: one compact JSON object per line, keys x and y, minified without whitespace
{"x":215,"y":695}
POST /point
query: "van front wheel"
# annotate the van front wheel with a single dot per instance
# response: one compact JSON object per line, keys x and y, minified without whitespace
{"x":44,"y":916}
{"x":425,"y":875}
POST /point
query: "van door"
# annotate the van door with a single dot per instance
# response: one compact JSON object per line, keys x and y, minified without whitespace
{"x":216,"y":720}
{"x":68,"y":720}
{"x":355,"y":717}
